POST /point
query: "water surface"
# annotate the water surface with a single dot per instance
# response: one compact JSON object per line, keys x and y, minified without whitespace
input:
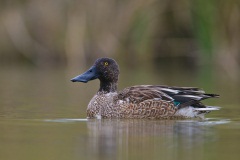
{"x":42,"y":116}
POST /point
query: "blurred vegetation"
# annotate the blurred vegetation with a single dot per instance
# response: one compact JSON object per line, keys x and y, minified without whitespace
{"x":74,"y":33}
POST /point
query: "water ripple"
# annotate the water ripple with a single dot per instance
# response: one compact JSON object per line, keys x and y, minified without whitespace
{"x":65,"y":120}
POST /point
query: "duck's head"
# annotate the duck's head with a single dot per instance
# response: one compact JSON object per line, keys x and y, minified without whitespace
{"x":104,"y":69}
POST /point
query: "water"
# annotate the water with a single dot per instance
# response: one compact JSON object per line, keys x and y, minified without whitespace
{"x":42,"y":116}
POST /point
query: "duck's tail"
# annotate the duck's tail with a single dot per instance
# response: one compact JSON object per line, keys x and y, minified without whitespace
{"x":193,"y":112}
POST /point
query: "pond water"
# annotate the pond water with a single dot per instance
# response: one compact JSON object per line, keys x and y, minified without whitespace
{"x":43,"y":116}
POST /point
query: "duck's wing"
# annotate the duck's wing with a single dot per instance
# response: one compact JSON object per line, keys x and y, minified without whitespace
{"x":180,"y":96}
{"x":186,"y":96}
{"x":140,"y":93}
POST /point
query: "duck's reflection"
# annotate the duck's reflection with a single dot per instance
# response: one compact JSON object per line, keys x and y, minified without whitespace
{"x":124,"y":138}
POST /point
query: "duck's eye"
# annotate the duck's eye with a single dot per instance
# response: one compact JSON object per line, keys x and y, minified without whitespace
{"x":106,"y":63}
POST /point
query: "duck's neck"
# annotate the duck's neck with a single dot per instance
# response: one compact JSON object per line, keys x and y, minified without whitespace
{"x":107,"y":87}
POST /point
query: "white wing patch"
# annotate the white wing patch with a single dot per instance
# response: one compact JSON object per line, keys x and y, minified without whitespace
{"x":170,"y":90}
{"x":193,"y":97}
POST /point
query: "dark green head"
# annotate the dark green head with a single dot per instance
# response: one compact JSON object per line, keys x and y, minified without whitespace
{"x":104,"y":69}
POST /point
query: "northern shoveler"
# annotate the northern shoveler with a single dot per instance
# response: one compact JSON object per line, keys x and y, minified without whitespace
{"x":141,"y":101}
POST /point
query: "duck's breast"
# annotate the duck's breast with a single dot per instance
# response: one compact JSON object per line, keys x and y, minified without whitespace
{"x":102,"y":106}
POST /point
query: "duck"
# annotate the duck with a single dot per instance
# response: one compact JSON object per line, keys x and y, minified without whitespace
{"x":141,"y":101}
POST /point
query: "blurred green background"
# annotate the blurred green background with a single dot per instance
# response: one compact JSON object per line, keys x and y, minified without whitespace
{"x":158,"y":33}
